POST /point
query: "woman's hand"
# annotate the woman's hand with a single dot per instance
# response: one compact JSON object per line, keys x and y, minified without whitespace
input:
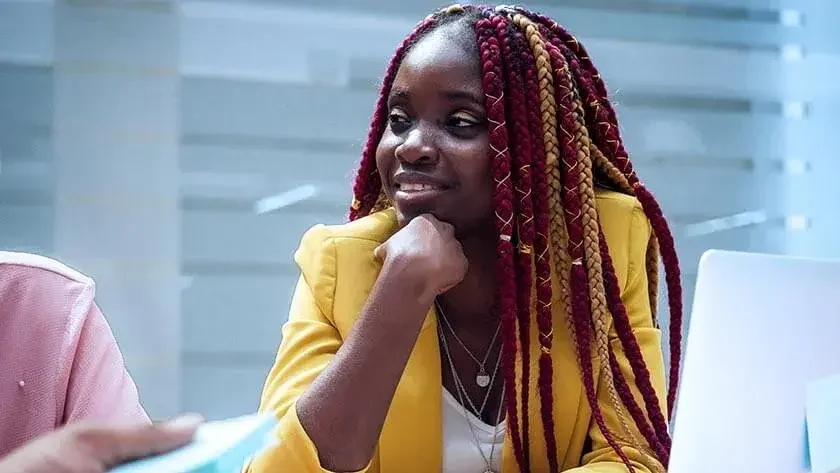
{"x":427,"y":252}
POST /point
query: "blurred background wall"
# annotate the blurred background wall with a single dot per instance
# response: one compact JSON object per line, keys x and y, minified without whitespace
{"x":176,"y":151}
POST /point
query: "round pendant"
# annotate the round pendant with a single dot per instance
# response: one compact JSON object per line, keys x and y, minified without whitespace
{"x":482,"y":379}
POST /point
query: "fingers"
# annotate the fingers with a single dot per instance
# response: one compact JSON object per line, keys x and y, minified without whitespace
{"x":379,"y":252}
{"x":443,"y":227}
{"x":121,"y":444}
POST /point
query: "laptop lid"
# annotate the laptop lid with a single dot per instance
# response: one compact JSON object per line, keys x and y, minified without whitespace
{"x":762,"y":328}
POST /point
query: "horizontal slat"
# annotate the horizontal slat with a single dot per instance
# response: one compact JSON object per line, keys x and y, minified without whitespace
{"x":254,"y":169}
{"x":26,"y":32}
{"x":303,"y":113}
{"x":244,"y":238}
{"x":712,"y":191}
{"x":220,"y":392}
{"x":626,"y":63}
{"x":145,"y":106}
{"x":26,"y":228}
{"x":141,"y":37}
{"x":373,"y":28}
{"x":27,"y":97}
{"x":228,"y":313}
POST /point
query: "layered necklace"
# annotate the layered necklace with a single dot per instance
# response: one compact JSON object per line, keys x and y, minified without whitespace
{"x":482,"y":379}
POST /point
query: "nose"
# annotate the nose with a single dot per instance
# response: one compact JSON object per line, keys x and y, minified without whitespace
{"x":419,"y":146}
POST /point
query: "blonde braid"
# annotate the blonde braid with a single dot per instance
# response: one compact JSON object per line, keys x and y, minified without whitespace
{"x":559,"y":237}
{"x":652,"y":262}
{"x":592,"y":252}
{"x":613,"y":173}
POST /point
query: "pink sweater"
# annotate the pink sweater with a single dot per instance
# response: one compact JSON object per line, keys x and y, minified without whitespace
{"x":59,"y":362}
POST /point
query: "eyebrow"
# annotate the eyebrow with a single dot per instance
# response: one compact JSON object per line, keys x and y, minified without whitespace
{"x":451,"y":95}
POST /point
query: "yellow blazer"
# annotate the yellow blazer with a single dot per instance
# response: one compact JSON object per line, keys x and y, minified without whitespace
{"x":338,"y":270}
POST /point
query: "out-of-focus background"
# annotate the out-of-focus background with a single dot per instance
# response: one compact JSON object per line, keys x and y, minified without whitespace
{"x":176,"y":151}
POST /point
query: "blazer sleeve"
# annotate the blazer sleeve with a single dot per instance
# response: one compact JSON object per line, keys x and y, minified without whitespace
{"x":310,"y":341}
{"x":602,"y":458}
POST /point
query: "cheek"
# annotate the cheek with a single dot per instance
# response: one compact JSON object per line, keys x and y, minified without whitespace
{"x":477,"y":165}
{"x":385,"y":155}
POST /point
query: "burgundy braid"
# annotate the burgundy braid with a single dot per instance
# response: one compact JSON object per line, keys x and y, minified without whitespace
{"x":628,"y":342}
{"x":523,"y":160}
{"x":541,"y":244}
{"x":493,"y":84}
{"x":368,"y":183}
{"x":583,"y":329}
{"x":606,"y":133}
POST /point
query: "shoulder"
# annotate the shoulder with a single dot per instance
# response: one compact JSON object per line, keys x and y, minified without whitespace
{"x":35,"y":268}
{"x":43,"y":299}
{"x":27,"y":278}
{"x":620,"y":211}
{"x":626,"y":229}
{"x":327,"y":252}
{"x":320,"y":245}
{"x":374,"y":228}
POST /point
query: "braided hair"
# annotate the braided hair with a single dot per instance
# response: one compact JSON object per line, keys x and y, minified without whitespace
{"x":553,"y":137}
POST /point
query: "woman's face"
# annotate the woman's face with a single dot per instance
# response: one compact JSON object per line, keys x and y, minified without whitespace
{"x":434,"y":154}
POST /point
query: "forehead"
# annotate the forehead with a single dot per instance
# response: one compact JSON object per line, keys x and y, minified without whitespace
{"x":446,"y":57}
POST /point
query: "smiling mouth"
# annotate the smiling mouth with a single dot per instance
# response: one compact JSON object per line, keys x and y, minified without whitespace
{"x":412,"y":187}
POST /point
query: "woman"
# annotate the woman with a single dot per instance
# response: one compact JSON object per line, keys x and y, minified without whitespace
{"x":60,"y":362}
{"x":484,"y":239}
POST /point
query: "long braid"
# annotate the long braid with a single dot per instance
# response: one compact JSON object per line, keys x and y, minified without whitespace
{"x":635,"y":357}
{"x":631,"y":345}
{"x":571,"y":165}
{"x":543,"y":255}
{"x":615,"y":176}
{"x":573,"y":119}
{"x":522,"y":162}
{"x":556,"y":230}
{"x":607,"y":127}
{"x":652,"y":262}
{"x":503,"y":197}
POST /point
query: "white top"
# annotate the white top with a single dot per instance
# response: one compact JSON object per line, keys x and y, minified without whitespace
{"x":460,"y":452}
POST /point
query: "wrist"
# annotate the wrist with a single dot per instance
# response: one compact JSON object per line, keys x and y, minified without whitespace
{"x":411,"y":277}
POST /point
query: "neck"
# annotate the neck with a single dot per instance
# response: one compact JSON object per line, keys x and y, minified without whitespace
{"x":470,"y":304}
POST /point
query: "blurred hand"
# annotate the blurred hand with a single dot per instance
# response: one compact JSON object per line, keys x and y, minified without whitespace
{"x":428,"y":252}
{"x":94,"y":448}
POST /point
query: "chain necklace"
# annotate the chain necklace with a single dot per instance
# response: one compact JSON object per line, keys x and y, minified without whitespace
{"x":482,"y":379}
{"x":462,"y":394}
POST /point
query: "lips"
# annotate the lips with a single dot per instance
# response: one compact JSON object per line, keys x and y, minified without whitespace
{"x":418,"y":187}
{"x":416,"y":190}
{"x":412,"y":181}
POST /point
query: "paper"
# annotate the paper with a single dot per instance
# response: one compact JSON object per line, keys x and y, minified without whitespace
{"x":823,"y":424}
{"x":218,"y":447}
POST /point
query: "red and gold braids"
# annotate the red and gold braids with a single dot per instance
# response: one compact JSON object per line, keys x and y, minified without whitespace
{"x":553,"y":135}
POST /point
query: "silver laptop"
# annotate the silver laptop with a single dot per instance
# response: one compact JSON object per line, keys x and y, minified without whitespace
{"x":762,"y":327}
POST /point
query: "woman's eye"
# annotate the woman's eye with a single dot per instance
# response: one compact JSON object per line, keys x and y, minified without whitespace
{"x":398,"y":117}
{"x":463,"y":121}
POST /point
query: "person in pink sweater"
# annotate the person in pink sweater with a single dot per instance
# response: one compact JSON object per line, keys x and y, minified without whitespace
{"x":59,"y":361}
